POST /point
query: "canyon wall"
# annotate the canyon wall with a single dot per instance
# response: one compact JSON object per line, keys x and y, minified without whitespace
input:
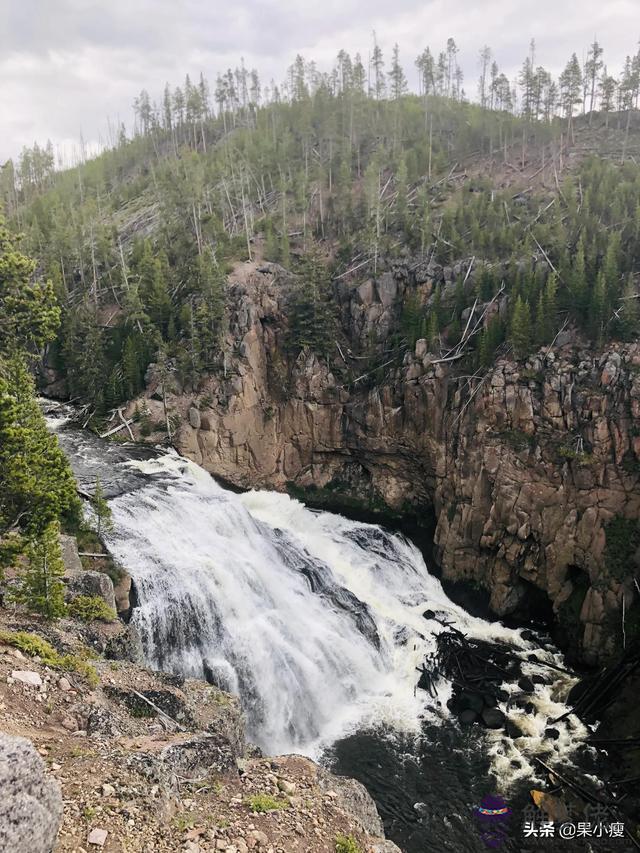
{"x":529,"y":470}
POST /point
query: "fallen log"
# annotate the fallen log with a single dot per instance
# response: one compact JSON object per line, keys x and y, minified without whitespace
{"x":121,"y":426}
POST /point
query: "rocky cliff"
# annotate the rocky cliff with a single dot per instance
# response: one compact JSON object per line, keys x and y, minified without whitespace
{"x":528,"y":472}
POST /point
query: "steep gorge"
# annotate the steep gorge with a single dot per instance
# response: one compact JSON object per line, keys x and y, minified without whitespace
{"x":526,"y":469}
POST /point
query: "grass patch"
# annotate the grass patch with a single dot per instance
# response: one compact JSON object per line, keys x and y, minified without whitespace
{"x":575,"y":456}
{"x":89,"y":608}
{"x":265,"y":803}
{"x":34,"y":646}
{"x":517,"y":439}
{"x":182,"y":822}
{"x":347,"y":844}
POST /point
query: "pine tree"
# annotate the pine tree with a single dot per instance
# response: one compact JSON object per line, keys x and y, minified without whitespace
{"x":29,"y":314}
{"x":313,"y":323}
{"x":490,"y":339}
{"x":520,"y":333}
{"x":133,"y":366}
{"x":597,"y":309}
{"x":549,"y":307}
{"x":41,"y":587}
{"x":36,"y":484}
{"x":397,"y":79}
{"x":101,"y":508}
{"x":578,"y":285}
{"x":629,"y":322}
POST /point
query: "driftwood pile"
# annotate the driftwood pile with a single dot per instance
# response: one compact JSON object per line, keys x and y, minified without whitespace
{"x":477,"y":669}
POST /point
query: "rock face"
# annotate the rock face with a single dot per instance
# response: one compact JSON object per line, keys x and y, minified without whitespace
{"x":31,"y":803}
{"x":520,"y":471}
{"x":92,"y":584}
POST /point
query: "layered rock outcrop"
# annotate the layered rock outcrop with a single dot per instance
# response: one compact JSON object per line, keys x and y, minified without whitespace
{"x":522,"y":468}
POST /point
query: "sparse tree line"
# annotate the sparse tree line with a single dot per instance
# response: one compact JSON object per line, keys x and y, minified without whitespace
{"x":138,"y":241}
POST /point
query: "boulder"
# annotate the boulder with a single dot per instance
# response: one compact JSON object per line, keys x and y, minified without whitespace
{"x":199,"y":755}
{"x":126,"y":645}
{"x":92,"y":584}
{"x":122,"y":592}
{"x":513,"y":729}
{"x":472,"y":702}
{"x":493,"y":718}
{"x":33,"y":679}
{"x":31,"y":802}
{"x":194,"y":417}
{"x":468,"y":717}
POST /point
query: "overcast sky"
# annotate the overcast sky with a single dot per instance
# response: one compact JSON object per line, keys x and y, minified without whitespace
{"x":69,"y":66}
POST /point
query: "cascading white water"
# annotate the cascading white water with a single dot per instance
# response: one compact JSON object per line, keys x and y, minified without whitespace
{"x":316,"y":621}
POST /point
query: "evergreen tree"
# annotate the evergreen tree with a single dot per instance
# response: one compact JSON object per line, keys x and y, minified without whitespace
{"x":490,"y":339}
{"x":629,"y":323}
{"x":397,"y":79}
{"x":36,"y":484}
{"x":597,"y":309}
{"x":29,"y":314}
{"x":578,"y":292}
{"x":313,"y":323}
{"x":41,"y":587}
{"x":549,"y":308}
{"x":101,"y":508}
{"x":520,"y":333}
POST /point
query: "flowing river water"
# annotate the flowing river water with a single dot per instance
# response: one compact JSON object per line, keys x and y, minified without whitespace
{"x":316,"y":622}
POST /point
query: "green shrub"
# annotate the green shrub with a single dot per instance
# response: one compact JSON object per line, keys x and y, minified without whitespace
{"x":34,"y":646}
{"x":265,"y":803}
{"x":575,"y":455}
{"x":89,"y":608}
{"x":347,"y":844}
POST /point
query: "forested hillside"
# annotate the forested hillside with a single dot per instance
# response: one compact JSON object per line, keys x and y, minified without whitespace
{"x":335,"y":176}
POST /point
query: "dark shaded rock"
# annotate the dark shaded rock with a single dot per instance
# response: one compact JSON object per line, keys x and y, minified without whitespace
{"x":552,"y":733}
{"x":31,"y":802}
{"x":127,"y":645}
{"x":538,"y":679}
{"x":429,"y":614}
{"x":468,"y":717}
{"x":513,"y":729}
{"x":493,"y":718}
{"x":472,"y":702}
{"x":526,"y":684}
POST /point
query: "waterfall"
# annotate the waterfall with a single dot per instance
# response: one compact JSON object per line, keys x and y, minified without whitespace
{"x":314,"y":620}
